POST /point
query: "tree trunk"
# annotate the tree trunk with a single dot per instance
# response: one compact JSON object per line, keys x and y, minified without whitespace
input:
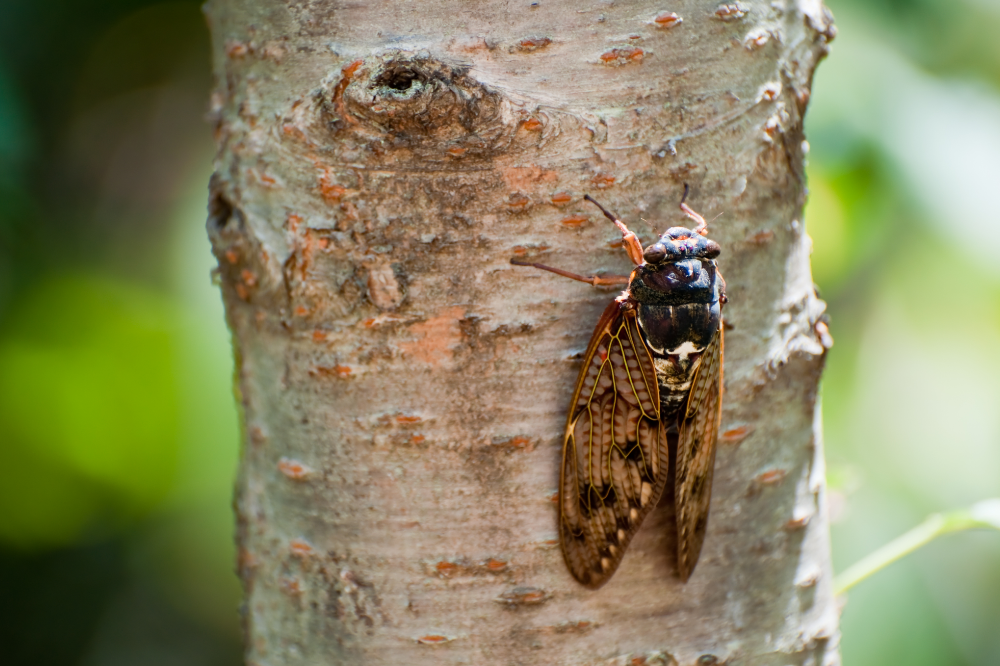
{"x":404,"y":387}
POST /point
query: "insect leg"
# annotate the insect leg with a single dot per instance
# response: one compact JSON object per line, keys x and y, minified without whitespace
{"x":702,"y":227}
{"x":629,"y":240}
{"x":596,"y":280}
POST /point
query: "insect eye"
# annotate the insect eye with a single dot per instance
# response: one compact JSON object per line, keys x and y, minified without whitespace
{"x":712,"y":250}
{"x":654,"y":254}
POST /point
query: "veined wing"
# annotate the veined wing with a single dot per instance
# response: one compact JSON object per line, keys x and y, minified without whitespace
{"x":699,"y":430}
{"x":615,"y":458}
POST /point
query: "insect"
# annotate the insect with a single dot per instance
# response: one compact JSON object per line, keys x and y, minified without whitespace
{"x":646,"y":408}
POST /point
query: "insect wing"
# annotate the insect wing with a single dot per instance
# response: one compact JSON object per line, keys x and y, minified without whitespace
{"x":615,"y":457}
{"x":696,"y":456}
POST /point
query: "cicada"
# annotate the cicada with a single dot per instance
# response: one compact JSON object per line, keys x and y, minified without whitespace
{"x":646,"y":408}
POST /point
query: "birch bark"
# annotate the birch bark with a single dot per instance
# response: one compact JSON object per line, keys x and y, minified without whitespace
{"x":404,"y":387}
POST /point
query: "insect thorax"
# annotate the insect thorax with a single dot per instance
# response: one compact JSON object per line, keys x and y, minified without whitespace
{"x":678,"y":317}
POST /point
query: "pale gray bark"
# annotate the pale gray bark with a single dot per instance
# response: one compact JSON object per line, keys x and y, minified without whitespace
{"x":404,"y":388}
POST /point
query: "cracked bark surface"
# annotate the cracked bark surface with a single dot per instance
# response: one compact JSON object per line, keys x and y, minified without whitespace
{"x":404,"y":387}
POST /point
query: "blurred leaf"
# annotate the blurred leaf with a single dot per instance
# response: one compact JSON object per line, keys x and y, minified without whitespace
{"x":15,"y":134}
{"x":825,"y":223}
{"x":149,"y":47}
{"x":843,"y":478}
{"x":951,"y":39}
{"x":88,"y":405}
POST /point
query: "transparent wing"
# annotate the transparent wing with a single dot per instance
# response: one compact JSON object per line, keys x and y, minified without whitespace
{"x":699,"y":430}
{"x":615,"y":457}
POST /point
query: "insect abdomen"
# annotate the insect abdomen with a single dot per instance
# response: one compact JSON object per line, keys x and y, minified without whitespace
{"x":674,"y":379}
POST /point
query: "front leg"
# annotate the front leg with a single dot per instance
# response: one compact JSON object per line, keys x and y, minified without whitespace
{"x":595,"y":280}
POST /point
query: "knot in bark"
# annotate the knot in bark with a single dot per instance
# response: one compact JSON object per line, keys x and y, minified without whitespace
{"x":422,"y":102}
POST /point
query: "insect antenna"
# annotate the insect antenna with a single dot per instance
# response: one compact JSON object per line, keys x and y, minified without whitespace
{"x":702,"y":226}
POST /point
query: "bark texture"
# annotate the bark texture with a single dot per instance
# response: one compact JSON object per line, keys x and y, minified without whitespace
{"x":404,"y":387}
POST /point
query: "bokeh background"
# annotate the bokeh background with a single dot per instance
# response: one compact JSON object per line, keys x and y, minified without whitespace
{"x":118,"y":433}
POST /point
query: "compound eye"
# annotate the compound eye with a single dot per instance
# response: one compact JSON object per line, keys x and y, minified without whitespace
{"x":712,"y":250}
{"x":654,"y":254}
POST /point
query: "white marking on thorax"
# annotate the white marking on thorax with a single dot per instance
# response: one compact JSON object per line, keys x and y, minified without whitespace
{"x":686,"y":349}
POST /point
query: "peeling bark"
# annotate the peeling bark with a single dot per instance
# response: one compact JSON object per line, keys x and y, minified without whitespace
{"x":404,"y":387}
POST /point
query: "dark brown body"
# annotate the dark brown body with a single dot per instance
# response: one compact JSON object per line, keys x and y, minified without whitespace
{"x":646,"y":409}
{"x":652,"y":374}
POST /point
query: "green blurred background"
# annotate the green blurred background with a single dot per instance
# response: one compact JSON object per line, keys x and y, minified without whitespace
{"x":118,"y":434}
